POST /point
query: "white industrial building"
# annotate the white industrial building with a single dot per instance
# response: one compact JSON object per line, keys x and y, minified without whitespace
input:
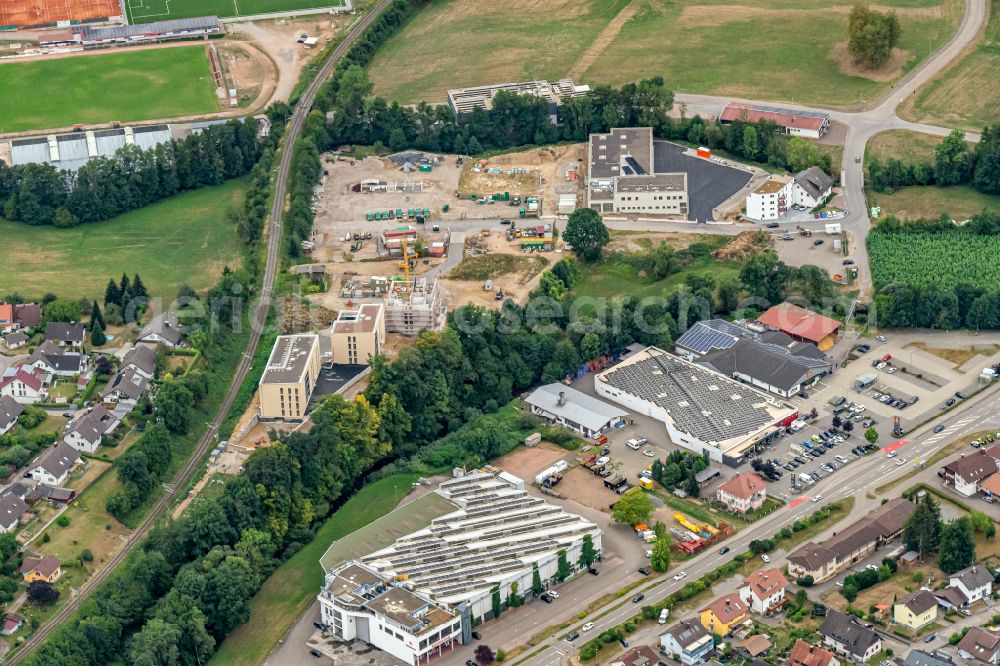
{"x":622,"y":178}
{"x":701,"y":409}
{"x":573,"y":409}
{"x":419,"y":597}
{"x":466,"y":100}
{"x":71,"y":151}
{"x":776,"y":195}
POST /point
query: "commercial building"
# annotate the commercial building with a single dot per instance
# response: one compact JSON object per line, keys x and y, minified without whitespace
{"x":622,"y":177}
{"x":575,"y":410}
{"x":744,"y":492}
{"x":776,"y":195}
{"x":289,"y":378}
{"x":701,"y":409}
{"x":688,"y":642}
{"x":357,"y":335}
{"x":72,"y":150}
{"x":848,"y":636}
{"x":157,"y":31}
{"x":916,"y":610}
{"x":810,"y":124}
{"x":801,"y":324}
{"x":444,"y":575}
{"x":466,"y":100}
{"x":827,"y":559}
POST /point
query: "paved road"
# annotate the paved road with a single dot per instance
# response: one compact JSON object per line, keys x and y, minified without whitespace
{"x":257,"y":322}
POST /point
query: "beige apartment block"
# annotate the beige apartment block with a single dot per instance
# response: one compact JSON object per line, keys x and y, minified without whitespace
{"x":357,"y":335}
{"x":290,"y":377}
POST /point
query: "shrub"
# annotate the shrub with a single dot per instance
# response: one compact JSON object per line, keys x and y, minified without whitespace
{"x":62,"y":521}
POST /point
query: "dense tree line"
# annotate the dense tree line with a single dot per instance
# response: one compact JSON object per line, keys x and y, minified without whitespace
{"x":954,"y":164}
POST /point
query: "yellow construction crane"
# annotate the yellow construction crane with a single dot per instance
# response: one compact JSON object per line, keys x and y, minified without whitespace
{"x":405,"y":265}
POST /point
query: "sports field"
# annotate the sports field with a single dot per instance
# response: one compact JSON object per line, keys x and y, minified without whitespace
{"x":771,"y":49}
{"x":147,"y":11}
{"x":184,"y":239}
{"x":127,"y":86}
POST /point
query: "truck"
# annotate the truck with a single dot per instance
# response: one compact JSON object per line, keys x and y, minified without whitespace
{"x":615,"y":482}
{"x":555,"y":470}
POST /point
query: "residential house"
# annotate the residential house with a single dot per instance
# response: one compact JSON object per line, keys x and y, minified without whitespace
{"x":641,"y":655}
{"x":688,"y":642}
{"x":124,"y":390}
{"x":848,"y":636}
{"x":916,"y":610}
{"x":811,"y":187}
{"x":15,"y":340}
{"x":12,"y":509}
{"x":23,"y":385}
{"x":951,"y":598}
{"x":764,"y":591}
{"x":54,"y":465}
{"x":965,"y":473}
{"x":47,"y":568}
{"x":744,"y":492}
{"x":826,"y":559}
{"x":41,"y":492}
{"x":86,"y":432}
{"x":921,"y":658}
{"x":753,"y":646}
{"x":141,"y":359}
{"x":162,"y":329}
{"x":51,"y":359}
{"x":27,"y":315}
{"x":975,"y":583}
{"x":806,"y":654}
{"x":11,"y":623}
{"x":723,"y":614}
{"x":10,"y":411}
{"x":6,"y":317}
{"x":65,"y":335}
{"x":980,"y":644}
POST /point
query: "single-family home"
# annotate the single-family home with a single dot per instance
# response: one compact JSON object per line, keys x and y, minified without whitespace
{"x":753,"y":646}
{"x":86,"y":432}
{"x":976,"y":582}
{"x":848,"y":636}
{"x":921,"y":658}
{"x":6,"y":317}
{"x":124,"y":389}
{"x":744,"y":492}
{"x":806,"y":654}
{"x":23,"y":385}
{"x":47,"y":568}
{"x":10,"y":411}
{"x":573,"y":409}
{"x":54,"y":465}
{"x":51,"y":359}
{"x":162,"y":329}
{"x":965,"y":473}
{"x":41,"y":492}
{"x":12,"y":509}
{"x":27,"y":315}
{"x":11,"y":623}
{"x":15,"y":340}
{"x":980,"y":644}
{"x":65,"y":334}
{"x":764,"y":591}
{"x":723,"y":614}
{"x":141,"y":359}
{"x":641,"y":655}
{"x":951,"y":598}
{"x":688,"y":642}
{"x":916,"y":610}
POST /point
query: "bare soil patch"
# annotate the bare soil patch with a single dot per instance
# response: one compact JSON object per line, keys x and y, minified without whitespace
{"x":744,"y":245}
{"x":890,"y":71}
{"x":580,"y":485}
{"x":526,"y":461}
{"x":958,"y":356}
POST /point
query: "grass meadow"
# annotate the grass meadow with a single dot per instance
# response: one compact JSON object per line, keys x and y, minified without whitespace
{"x":960,"y":202}
{"x":126,"y":86}
{"x":184,"y":239}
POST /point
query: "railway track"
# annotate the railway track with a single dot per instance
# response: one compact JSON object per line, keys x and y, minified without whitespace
{"x":180,"y":480}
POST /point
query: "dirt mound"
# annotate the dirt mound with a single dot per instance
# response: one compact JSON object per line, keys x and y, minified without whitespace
{"x":296,"y":317}
{"x":744,"y":245}
{"x":890,"y":71}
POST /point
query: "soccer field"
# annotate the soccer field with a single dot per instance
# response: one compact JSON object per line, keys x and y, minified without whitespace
{"x":147,"y":11}
{"x":125,"y":86}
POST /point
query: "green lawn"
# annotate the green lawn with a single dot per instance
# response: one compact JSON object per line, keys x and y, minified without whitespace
{"x":127,"y":86}
{"x":294,"y":585}
{"x":904,"y":145}
{"x":960,"y":202}
{"x":617,"y":278}
{"x":147,"y":11}
{"x":184,"y":239}
{"x":776,"y":50}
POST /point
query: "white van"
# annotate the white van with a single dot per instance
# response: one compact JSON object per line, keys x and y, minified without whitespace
{"x":663,"y":615}
{"x":633,"y":444}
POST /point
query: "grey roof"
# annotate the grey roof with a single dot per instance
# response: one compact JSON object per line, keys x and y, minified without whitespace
{"x":952,"y":596}
{"x":880,"y":524}
{"x":128,"y":382}
{"x":18,"y":489}
{"x":577,"y":407}
{"x":661,"y":182}
{"x":921,"y":658}
{"x":142,"y":357}
{"x":847,"y":630}
{"x":814,"y":181}
{"x":773,"y":348}
{"x":57,"y":460}
{"x":151,"y":136}
{"x":687,"y":632}
{"x":759,"y":363}
{"x":10,"y":409}
{"x":620,"y":152}
{"x":919,"y":602}
{"x":57,"y":330}
{"x":55,"y":357}
{"x":975,"y":576}
{"x":94,"y":425}
{"x":12,"y":508}
{"x":164,"y":325}
{"x":289,"y":358}
{"x":175,"y":26}
{"x":15,"y":338}
{"x":28,"y":315}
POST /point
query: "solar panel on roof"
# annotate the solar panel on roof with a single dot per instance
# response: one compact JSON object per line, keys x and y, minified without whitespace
{"x":631,"y":161}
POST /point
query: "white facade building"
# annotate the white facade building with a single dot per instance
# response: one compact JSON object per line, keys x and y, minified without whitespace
{"x":976,"y":582}
{"x":621,"y":176}
{"x":776,"y":195}
{"x":764,"y":591}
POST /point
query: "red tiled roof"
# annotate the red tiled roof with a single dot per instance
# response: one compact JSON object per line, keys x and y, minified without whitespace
{"x":783,"y":117}
{"x":743,"y":485}
{"x":804,"y":654}
{"x":30,"y":379}
{"x":727,"y":608}
{"x":44,"y":566}
{"x":6,"y":313}
{"x":766,"y":582}
{"x":799,"y":322}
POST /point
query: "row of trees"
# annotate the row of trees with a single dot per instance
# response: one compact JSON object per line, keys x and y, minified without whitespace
{"x":954,"y":163}
{"x":132,"y":178}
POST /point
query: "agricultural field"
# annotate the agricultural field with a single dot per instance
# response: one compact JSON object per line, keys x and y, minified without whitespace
{"x":701,"y":46}
{"x":126,"y":86}
{"x":942,"y":259}
{"x":904,"y":145}
{"x":960,"y":202}
{"x":182,"y":240}
{"x":967,"y":94}
{"x":147,"y":11}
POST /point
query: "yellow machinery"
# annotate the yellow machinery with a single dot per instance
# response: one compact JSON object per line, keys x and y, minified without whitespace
{"x":404,"y":265}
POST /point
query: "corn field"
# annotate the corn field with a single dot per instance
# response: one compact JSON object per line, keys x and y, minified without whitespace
{"x":942,"y":259}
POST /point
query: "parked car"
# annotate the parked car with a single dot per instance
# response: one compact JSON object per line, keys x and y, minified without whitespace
{"x":588,"y":626}
{"x":880,"y":338}
{"x":765,"y":558}
{"x":724,"y":550}
{"x":593,"y":571}
{"x":959,"y":395}
{"x":546,"y":598}
{"x":316,"y":653}
{"x":553,"y":594}
{"x":818,"y":241}
{"x":949,"y":402}
{"x":772,"y":225}
{"x":644,"y":571}
{"x":648,"y":454}
{"x":847,"y":262}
